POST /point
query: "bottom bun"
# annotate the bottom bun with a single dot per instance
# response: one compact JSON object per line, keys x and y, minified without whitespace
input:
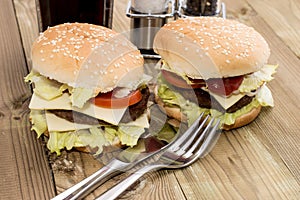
{"x":174,"y":112}
{"x":244,"y":119}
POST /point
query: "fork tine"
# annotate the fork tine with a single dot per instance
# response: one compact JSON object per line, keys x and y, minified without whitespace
{"x":183,"y":136}
{"x":168,"y":159}
{"x":211,"y":140}
{"x":186,"y":144}
{"x":207,"y":145}
{"x":200,"y":139}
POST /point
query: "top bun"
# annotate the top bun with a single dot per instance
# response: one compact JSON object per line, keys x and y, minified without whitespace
{"x":88,"y":56}
{"x":211,"y":47}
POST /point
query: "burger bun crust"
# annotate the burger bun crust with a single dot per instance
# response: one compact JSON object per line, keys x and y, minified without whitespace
{"x":211,"y":47}
{"x":88,"y":56}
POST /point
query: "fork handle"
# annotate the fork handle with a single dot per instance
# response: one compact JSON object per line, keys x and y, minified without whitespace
{"x":90,"y":183}
{"x":118,"y":189}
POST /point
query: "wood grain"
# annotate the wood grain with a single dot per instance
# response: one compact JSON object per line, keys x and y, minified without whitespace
{"x":24,"y":168}
{"x":259,"y":161}
{"x":26,"y":9}
{"x":283,"y":18}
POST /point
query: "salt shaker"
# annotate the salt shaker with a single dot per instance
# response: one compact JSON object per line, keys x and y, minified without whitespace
{"x":147,"y":17}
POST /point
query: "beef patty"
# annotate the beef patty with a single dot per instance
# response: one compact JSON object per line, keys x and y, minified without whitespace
{"x":131,"y":113}
{"x":205,"y":100}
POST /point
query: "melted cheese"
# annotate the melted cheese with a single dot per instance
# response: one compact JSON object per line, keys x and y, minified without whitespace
{"x":56,"y":123}
{"x":63,"y":102}
{"x":227,"y":102}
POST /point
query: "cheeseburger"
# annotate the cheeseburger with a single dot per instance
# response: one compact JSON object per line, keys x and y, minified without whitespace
{"x":89,"y":88}
{"x":213,"y":65}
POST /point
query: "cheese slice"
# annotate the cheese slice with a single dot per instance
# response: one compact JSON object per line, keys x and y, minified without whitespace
{"x":142,"y":121}
{"x":227,"y":102}
{"x":63,"y":102}
{"x":56,"y":123}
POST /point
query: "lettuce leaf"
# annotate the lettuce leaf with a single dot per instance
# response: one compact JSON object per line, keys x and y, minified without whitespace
{"x":79,"y":96}
{"x":192,"y":110}
{"x":166,"y":134}
{"x":93,"y":137}
{"x":129,"y":135}
{"x":165,"y":66}
{"x":44,"y":87}
{"x":51,"y":89}
{"x":229,"y":118}
{"x":257,"y":79}
{"x":38,"y":121}
{"x":264,"y":96}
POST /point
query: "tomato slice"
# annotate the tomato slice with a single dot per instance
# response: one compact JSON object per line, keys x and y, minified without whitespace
{"x":224,"y":86}
{"x":178,"y":81}
{"x":221,"y":86}
{"x":108,"y":100}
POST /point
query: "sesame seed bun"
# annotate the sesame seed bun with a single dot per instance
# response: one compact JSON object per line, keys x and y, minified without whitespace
{"x":86,"y":55}
{"x":211,"y":47}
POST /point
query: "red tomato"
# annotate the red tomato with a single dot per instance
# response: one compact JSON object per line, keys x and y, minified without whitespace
{"x":224,"y":86}
{"x":108,"y":100}
{"x":176,"y":80}
{"x":221,"y":86}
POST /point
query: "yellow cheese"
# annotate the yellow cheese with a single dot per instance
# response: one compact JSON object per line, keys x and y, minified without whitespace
{"x":142,"y":121}
{"x":55,"y":123}
{"x":63,"y":102}
{"x":227,"y":102}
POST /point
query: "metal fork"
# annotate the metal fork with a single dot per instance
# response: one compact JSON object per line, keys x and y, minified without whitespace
{"x":118,"y":165}
{"x":180,"y":154}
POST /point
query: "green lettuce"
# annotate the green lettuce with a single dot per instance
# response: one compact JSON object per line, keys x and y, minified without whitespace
{"x":38,"y":121}
{"x":93,"y":137}
{"x":166,"y":134}
{"x":255,"y":80}
{"x":129,"y":135}
{"x":79,"y":96}
{"x":44,"y":87}
{"x":51,"y":89}
{"x":192,"y":110}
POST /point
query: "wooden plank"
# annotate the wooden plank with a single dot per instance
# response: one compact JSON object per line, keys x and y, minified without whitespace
{"x":281,"y":124}
{"x":24,"y":169}
{"x":259,"y":161}
{"x":282,"y":133}
{"x":241,"y":165}
{"x":283,"y":18}
{"x":28,"y":24}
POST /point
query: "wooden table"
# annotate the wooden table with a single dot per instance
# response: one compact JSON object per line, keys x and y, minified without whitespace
{"x":259,"y":161}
